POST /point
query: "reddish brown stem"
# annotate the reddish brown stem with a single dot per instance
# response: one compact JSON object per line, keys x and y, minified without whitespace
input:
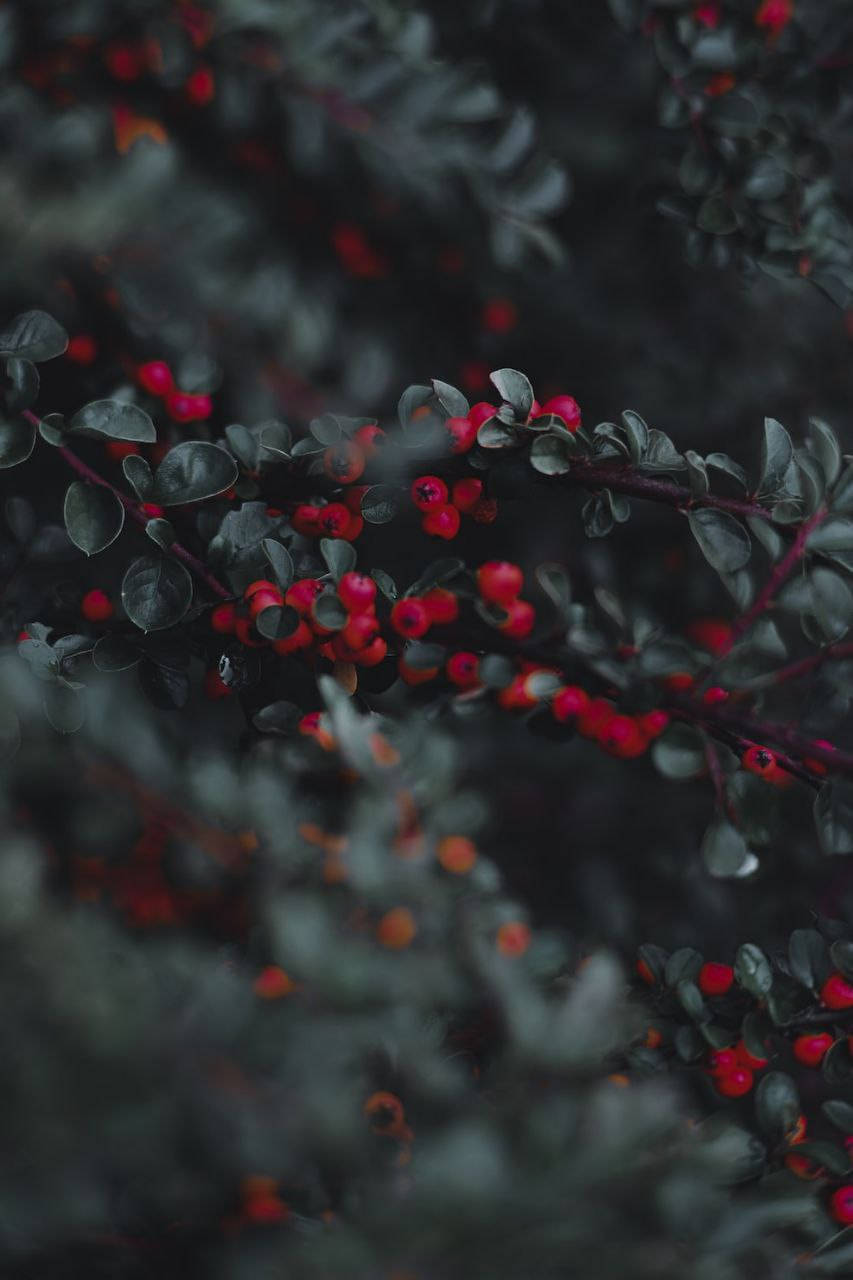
{"x":768,"y":733}
{"x":134,"y":510}
{"x":804,"y":666}
{"x":779,"y":576}
{"x":626,"y":480}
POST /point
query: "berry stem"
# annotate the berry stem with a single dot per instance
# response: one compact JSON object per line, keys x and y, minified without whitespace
{"x":779,"y":576}
{"x":770,"y":733}
{"x":627,"y":480}
{"x":134,"y":510}
{"x":803,"y":666}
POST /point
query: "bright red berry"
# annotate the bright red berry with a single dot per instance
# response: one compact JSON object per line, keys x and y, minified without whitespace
{"x":152,"y":511}
{"x":811,"y":1050}
{"x":344,"y":462}
{"x":735,"y":1083}
{"x":499,"y":315}
{"x":565,"y":407}
{"x":461,"y":434}
{"x":480,"y":413}
{"x":223,"y":619}
{"x":759,"y":760}
{"x":361,"y":630}
{"x":569,"y":702}
{"x":715,"y":979}
{"x":653,"y":723}
{"x":620,"y":736}
{"x":96,"y":606}
{"x":645,"y":973}
{"x":442,"y":604}
{"x":463,"y":669}
{"x":467,"y":493}
{"x":200,"y":87}
{"x":266,"y":599}
{"x":747,"y":1059}
{"x":82,"y":349}
{"x":259,"y":584}
{"x":593,"y":716}
{"x":155,"y":377}
{"x":837,"y":992}
{"x":841,"y":1205}
{"x":722,"y":1061}
{"x":357,"y":592}
{"x":774,"y":15}
{"x":410,"y":618}
{"x":334,"y":519}
{"x":429,"y":492}
{"x":306,"y":519}
{"x":370,"y":438}
{"x":442,"y":522}
{"x":302,"y":594}
{"x":373,"y":653}
{"x":520,"y":619}
{"x":499,"y":581}
{"x":180,"y":407}
{"x":715,"y":695}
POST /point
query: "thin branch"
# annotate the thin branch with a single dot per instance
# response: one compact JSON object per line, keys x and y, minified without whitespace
{"x":627,"y":480}
{"x":779,"y":576}
{"x":804,"y":666}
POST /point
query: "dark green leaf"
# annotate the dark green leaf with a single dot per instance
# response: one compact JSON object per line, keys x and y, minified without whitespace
{"x":777,"y":452}
{"x":156,"y":592}
{"x":496,"y":671}
{"x":723,"y":540}
{"x":722,"y":462}
{"x":451,"y":400}
{"x":554,"y":581}
{"x":661,"y":454}
{"x":515,"y":389}
{"x":683,"y":965}
{"x":808,"y":957}
{"x":21,"y":518}
{"x":277,"y":717}
{"x":494,"y":434}
{"x":24,"y":390}
{"x":550,"y":455}
{"x":161,"y":531}
{"x":340,"y":556}
{"x":137,"y":472}
{"x":831,"y":601}
{"x":94,"y":517}
{"x":725,"y":852}
{"x":277,"y":622}
{"x":680,"y":753}
{"x":380,"y":503}
{"x":281,"y":561}
{"x":17,"y":441}
{"x":117,"y":419}
{"x":842,"y":956}
{"x":823,"y":443}
{"x":65,"y":708}
{"x":834,"y":534}
{"x":163,"y":686}
{"x":33,"y":335}
{"x":114,"y":653}
{"x":329,"y":611}
{"x":840,"y":1114}
{"x":193,"y":470}
{"x":777,"y":1105}
{"x":716,"y":216}
{"x":421,"y":656}
{"x":752,"y":970}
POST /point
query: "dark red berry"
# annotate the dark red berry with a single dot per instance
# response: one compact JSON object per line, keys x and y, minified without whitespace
{"x":565,"y":407}
{"x":429,"y":492}
{"x":410,"y":618}
{"x":499,"y":581}
{"x":715,"y":979}
{"x":442,"y":522}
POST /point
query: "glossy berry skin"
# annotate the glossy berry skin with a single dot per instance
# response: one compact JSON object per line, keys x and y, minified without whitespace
{"x":373,"y":653}
{"x":520,"y":620}
{"x":715,"y":979}
{"x":463,"y":670}
{"x":370,"y":438}
{"x":747,"y":1059}
{"x":442,"y":522}
{"x":301,"y":594}
{"x":306,"y":519}
{"x":265,"y":600}
{"x":357,"y":592}
{"x":223,"y":619}
{"x":334,"y":520}
{"x":410,"y":618}
{"x":180,"y":407}
{"x":837,"y":992}
{"x":516,"y":696}
{"x":361,"y":630}
{"x":466,"y":493}
{"x":480,"y":413}
{"x":301,"y":638}
{"x":82,"y":349}
{"x":442,"y":604}
{"x":759,"y":760}
{"x":735,"y":1083}
{"x":653,"y":723}
{"x":429,"y":492}
{"x":156,"y":378}
{"x":568,"y":703}
{"x":565,"y":407}
{"x":499,"y":582}
{"x":841,"y":1205}
{"x":96,"y":606}
{"x":722,"y":1061}
{"x":343,"y":462}
{"x":811,"y":1050}
{"x":461,"y":434}
{"x":260,"y":584}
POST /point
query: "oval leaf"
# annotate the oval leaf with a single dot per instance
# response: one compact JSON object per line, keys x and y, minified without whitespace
{"x":94,"y":517}
{"x":33,"y":335}
{"x":193,"y":470}
{"x":723,"y":540}
{"x":17,"y":441}
{"x":114,"y":418}
{"x":156,"y":592}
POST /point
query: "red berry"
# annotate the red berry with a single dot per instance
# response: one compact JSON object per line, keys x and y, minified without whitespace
{"x":679,"y":682}
{"x":774,"y":14}
{"x":711,"y":697}
{"x":351,"y":498}
{"x":201,"y":407}
{"x":306,"y":519}
{"x":302,"y":594}
{"x":361,"y":630}
{"x":155,"y":377}
{"x":467,"y":493}
{"x":373,"y":654}
{"x":569,"y":702}
{"x":499,"y":581}
{"x":722,"y":1061}
{"x":715,"y":979}
{"x":461,"y":434}
{"x":118,"y":450}
{"x":735,"y":1083}
{"x":414,"y":676}
{"x":152,"y":511}
{"x":714,"y":635}
{"x":520,"y":620}
{"x":516,"y":695}
{"x":429,"y":492}
{"x":653,"y":723}
{"x":485,"y":511}
{"x":837,"y":992}
{"x":354,"y":528}
{"x":357,"y":592}
{"x":841,"y":1205}
{"x":334,"y":519}
{"x":442,"y":604}
{"x":261,"y":600}
{"x":223,"y":619}
{"x":499,"y":315}
{"x":565,"y":407}
{"x":463,"y":669}
{"x":645,"y":973}
{"x":708,"y":15}
{"x":410,"y":618}
{"x":200,"y":87}
{"x":96,"y":606}
{"x":180,"y":407}
{"x":214,"y":686}
{"x":259,"y":584}
{"x":247,"y":635}
{"x":747,"y":1059}
{"x":301,"y":638}
{"x":442,"y":522}
{"x":759,"y":760}
{"x":480,"y":413}
{"x":344,"y":462}
{"x":620,"y":736}
{"x":592,"y":717}
{"x":124,"y":63}
{"x":370,"y":437}
{"x":82,"y":349}
{"x":811,"y":1050}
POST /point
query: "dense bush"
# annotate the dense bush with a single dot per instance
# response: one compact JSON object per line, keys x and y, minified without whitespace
{"x":427,"y":798}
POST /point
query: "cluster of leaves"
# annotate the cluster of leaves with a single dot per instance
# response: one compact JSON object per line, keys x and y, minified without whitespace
{"x":759,"y":92}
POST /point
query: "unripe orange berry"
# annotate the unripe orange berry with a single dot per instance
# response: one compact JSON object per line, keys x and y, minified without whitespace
{"x":513,"y":938}
{"x":456,"y":854}
{"x":397,"y":928}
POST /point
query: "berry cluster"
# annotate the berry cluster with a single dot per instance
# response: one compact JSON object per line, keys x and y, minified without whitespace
{"x":157,"y":379}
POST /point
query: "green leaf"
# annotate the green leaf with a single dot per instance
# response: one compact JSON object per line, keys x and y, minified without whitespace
{"x":33,"y":335}
{"x":385,"y":583}
{"x":842,"y":497}
{"x":515,"y":389}
{"x":192,"y":471}
{"x":777,"y":1105}
{"x":138,"y":474}
{"x":452,"y":401}
{"x":161,"y":531}
{"x":690,"y":999}
{"x":20,"y":517}
{"x":496,"y":671}
{"x":716,"y":216}
{"x":380,"y":503}
{"x":494,"y":434}
{"x":277,"y":717}
{"x":842,"y":956}
{"x":340,"y":556}
{"x":837,"y":1066}
{"x":808,"y":958}
{"x":723,"y":540}
{"x":725,"y":852}
{"x":64,"y":707}
{"x":734,"y":114}
{"x":697,"y":472}
{"x":752,"y":970}
{"x":637,"y":434}
{"x":823,"y":443}
{"x":326,"y":429}
{"x":24,"y":377}
{"x":156,"y":592}
{"x":17,"y":441}
{"x":682,"y":966}
{"x":52,"y":429}
{"x":777,"y":452}
{"x":839,"y":1113}
{"x":243,"y":445}
{"x":421,"y":656}
{"x":680,"y":753}
{"x":549,"y":455}
{"x":329,"y":611}
{"x":117,"y":419}
{"x":414,"y":397}
{"x":661,"y":454}
{"x":831,"y":602}
{"x":94,"y":517}
{"x":277,"y":622}
{"x":554,"y":581}
{"x":722,"y":462}
{"x":834,"y":534}
{"x":281,"y":561}
{"x":827,"y":1155}
{"x":114,"y":653}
